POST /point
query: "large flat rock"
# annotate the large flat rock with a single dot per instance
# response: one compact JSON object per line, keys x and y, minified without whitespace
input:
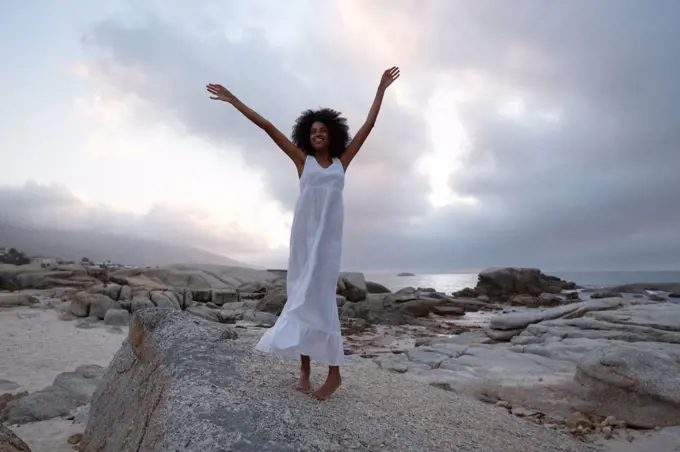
{"x":640,"y":383}
{"x":180,"y":384}
{"x":518,"y":320}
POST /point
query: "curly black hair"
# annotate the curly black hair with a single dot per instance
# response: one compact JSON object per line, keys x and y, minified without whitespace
{"x":338,"y":130}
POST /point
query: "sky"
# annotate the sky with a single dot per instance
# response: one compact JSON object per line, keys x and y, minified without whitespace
{"x":528,"y":133}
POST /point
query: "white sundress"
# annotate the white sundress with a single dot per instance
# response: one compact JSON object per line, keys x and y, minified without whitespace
{"x":309,"y":324}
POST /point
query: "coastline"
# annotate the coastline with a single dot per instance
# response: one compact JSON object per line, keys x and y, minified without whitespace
{"x":43,"y":339}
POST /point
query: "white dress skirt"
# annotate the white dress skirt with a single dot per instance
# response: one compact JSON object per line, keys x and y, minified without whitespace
{"x":309,"y":324}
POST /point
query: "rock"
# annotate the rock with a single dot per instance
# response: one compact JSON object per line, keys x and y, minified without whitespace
{"x":352,"y":286}
{"x":573,"y":296}
{"x":448,"y":310}
{"x":502,"y":335}
{"x":674,"y":295}
{"x":503,"y":283}
{"x":467,"y":293}
{"x":656,"y":297}
{"x":607,"y":294}
{"x":420,"y":307}
{"x":261,"y":319}
{"x":273,"y":303}
{"x":140,"y":302}
{"x":222,"y":296}
{"x":519,"y":320}
{"x":578,"y":420}
{"x":111,"y":290}
{"x":75,"y":438}
{"x":99,"y":304}
{"x":165,"y":299}
{"x":10,"y":442}
{"x":125,"y":293}
{"x":84,"y":304}
{"x":632,"y":323}
{"x":187,"y":299}
{"x":395,"y":363}
{"x":81,"y":414}
{"x":5,"y":399}
{"x":380,"y":309}
{"x":69,"y":390}
{"x":637,"y":385}
{"x":494,"y":372}
{"x":549,"y":299}
{"x":202,"y":295}
{"x":543,"y":300}
{"x":429,"y":358}
{"x":117,"y":317}
{"x":13,"y":300}
{"x":183,"y":384}
{"x":206,"y":313}
{"x":469,"y":304}
{"x":374,"y":287}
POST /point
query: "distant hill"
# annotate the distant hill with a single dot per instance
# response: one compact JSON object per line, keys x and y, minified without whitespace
{"x":101,"y":246}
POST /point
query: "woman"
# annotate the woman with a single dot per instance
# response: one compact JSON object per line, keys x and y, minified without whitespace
{"x":309,"y":326}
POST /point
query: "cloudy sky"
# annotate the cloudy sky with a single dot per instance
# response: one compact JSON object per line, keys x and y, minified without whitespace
{"x":520,"y":133}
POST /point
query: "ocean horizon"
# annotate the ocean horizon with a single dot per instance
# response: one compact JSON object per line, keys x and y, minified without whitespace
{"x":451,"y":282}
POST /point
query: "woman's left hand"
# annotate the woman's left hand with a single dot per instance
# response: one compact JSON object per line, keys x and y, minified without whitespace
{"x":388,"y":77}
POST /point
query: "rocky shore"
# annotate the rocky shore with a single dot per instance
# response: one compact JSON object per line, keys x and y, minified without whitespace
{"x":599,"y":367}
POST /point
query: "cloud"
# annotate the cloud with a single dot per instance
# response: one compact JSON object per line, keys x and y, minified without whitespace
{"x":55,"y":207}
{"x":545,"y":133}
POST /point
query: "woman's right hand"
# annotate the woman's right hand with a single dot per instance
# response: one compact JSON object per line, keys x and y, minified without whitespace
{"x":219,"y":92}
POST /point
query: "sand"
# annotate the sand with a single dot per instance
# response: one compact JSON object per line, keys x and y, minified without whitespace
{"x":35,"y":347}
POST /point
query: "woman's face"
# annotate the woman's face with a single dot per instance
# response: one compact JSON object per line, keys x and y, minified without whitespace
{"x":318,"y":136}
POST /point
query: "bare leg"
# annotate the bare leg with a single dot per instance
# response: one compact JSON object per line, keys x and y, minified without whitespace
{"x":333,"y":382}
{"x":305,"y":372}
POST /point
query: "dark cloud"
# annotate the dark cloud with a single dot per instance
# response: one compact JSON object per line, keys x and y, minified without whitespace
{"x":594,"y":186}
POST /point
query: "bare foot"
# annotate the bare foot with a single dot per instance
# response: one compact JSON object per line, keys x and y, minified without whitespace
{"x":331,"y":385}
{"x":303,"y":383}
{"x":305,"y":372}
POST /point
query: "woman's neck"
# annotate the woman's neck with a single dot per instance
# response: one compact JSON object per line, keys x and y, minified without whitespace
{"x":323,"y":156}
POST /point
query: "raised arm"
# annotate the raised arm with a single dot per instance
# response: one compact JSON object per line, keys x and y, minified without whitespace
{"x":219,"y":92}
{"x":388,"y":77}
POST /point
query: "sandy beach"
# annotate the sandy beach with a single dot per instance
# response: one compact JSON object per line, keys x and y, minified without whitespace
{"x":35,"y":347}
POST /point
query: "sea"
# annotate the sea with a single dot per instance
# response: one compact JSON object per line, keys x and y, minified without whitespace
{"x":452,"y":282}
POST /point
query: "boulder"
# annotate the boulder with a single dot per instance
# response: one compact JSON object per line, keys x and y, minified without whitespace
{"x":637,"y":384}
{"x":374,"y":287}
{"x":139,"y":302}
{"x":202,"y":295}
{"x":352,"y":286}
{"x":69,"y":391}
{"x":165,"y":299}
{"x":503,"y":283}
{"x":117,"y":317}
{"x":273,"y":302}
{"x":84,"y":304}
{"x":111,"y":290}
{"x":518,"y":320}
{"x":184,"y":384}
{"x":13,"y":300}
{"x":381,"y":309}
{"x":223,"y":296}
